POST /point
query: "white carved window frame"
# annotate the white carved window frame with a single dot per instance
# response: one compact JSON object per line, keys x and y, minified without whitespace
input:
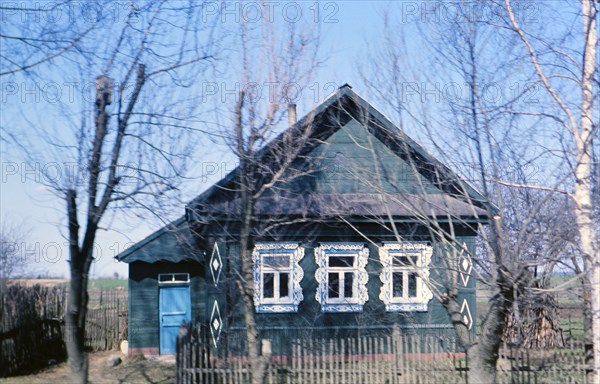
{"x":360,"y":278}
{"x":278,"y":305}
{"x":387,"y":252}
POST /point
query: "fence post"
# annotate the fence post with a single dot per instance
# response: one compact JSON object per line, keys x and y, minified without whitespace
{"x":467,"y":371}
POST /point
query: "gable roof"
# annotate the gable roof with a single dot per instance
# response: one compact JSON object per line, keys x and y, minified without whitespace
{"x":173,"y":243}
{"x":457,"y":197}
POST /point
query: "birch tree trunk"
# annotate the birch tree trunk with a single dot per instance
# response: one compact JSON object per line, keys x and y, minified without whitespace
{"x":583,"y":176}
{"x":582,"y":134}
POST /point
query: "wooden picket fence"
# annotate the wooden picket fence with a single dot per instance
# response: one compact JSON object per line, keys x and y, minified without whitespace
{"x":394,"y":358}
{"x":106,"y":323}
{"x":32,"y":325}
{"x":553,"y":365}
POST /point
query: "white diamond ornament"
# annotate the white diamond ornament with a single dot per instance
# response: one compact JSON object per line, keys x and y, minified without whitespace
{"x":467,"y":318}
{"x":216,"y":265}
{"x":216,"y":323}
{"x":466,"y":264}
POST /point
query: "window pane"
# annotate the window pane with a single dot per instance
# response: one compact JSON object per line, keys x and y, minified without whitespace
{"x":269,"y":285}
{"x":333,"y":291}
{"x":404,"y":260}
{"x":412,"y":285}
{"x":284,"y":289}
{"x":183,"y":277}
{"x":276,"y":261}
{"x":165,"y":277}
{"x":348,"y":284}
{"x":397,"y":281}
{"x":341,"y":261}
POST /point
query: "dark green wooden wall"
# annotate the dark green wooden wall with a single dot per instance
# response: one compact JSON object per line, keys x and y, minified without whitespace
{"x":374,"y":313}
{"x":354,"y":161}
{"x":143,"y":298}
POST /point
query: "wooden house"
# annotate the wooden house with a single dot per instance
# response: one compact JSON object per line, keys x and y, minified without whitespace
{"x":350,"y":241}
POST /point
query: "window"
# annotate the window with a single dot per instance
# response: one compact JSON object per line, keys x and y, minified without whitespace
{"x":173,"y":278}
{"x":341,"y":276}
{"x":405,"y":265}
{"x":277,"y":277}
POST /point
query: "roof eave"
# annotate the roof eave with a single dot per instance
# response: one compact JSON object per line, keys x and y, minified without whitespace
{"x":123,"y":256}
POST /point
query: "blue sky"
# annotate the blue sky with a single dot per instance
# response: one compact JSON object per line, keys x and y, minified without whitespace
{"x":350,"y":31}
{"x":346,"y":31}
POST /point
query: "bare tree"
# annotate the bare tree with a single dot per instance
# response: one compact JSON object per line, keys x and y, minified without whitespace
{"x":576,"y":117}
{"x":35,"y":34}
{"x":547,"y":245}
{"x":12,"y":259}
{"x":276,"y":60}
{"x":444,"y":222}
{"x":135,"y":150}
{"x":485,"y":140}
{"x":256,"y":177}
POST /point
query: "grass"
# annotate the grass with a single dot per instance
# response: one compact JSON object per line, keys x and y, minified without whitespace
{"x":93,"y":284}
{"x":108,"y":283}
{"x":572,"y":326}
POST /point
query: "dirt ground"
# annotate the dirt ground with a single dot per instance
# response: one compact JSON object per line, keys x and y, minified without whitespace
{"x":134,"y":369}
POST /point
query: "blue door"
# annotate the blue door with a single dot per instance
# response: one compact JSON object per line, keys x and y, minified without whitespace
{"x":175,"y":307}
